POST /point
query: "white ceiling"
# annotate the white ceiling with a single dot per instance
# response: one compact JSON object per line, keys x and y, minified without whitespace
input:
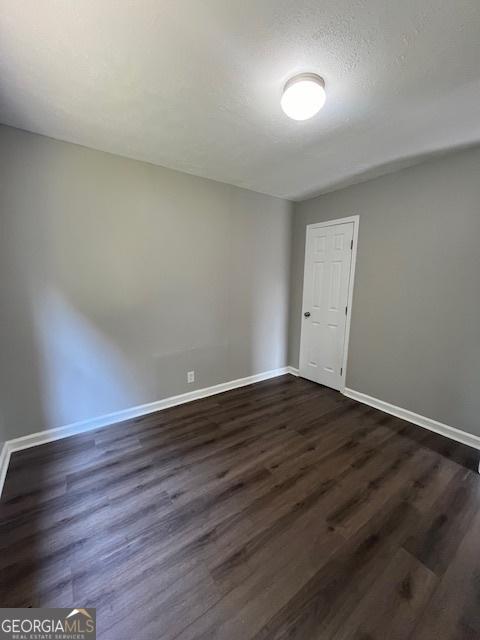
{"x":195,"y":84}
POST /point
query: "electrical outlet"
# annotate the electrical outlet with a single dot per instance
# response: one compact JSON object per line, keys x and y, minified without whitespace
{"x":190,"y":376}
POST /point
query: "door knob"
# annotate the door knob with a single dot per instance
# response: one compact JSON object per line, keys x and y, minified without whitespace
{"x":307,"y":314}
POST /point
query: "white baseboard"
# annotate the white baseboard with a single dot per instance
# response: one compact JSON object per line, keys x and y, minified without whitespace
{"x":427,"y":423}
{"x":41,"y":437}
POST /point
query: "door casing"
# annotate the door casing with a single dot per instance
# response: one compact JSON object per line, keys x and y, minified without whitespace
{"x":356,"y":222}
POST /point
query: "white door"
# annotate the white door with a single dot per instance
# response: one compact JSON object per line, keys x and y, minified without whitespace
{"x":328,"y":258}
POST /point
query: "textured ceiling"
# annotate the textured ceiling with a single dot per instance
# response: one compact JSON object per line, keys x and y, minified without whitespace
{"x":195,"y":84}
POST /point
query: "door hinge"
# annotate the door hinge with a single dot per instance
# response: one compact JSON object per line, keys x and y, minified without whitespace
{"x":346,"y":309}
{"x":341,"y":370}
{"x":351,"y":245}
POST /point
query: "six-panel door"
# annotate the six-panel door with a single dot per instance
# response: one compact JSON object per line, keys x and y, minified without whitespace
{"x":325,"y":296}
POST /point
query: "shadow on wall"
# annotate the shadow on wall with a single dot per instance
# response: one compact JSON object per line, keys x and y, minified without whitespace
{"x":84,"y":374}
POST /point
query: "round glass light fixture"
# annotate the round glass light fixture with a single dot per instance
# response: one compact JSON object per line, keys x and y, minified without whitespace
{"x":303,"y":96}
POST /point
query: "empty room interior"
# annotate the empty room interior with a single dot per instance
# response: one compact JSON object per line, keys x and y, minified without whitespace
{"x":239,"y":320}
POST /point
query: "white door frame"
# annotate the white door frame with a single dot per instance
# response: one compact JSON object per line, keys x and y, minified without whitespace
{"x":356,"y":222}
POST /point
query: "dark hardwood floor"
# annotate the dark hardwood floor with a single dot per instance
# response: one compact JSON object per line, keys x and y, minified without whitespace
{"x":280,"y":510}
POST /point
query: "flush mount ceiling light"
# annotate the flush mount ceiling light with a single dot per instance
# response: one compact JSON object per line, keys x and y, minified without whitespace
{"x":303,"y":96}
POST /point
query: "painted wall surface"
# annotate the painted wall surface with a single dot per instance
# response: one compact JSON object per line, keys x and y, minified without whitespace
{"x":118,"y":277}
{"x":415,"y":331}
{"x":3,"y":435}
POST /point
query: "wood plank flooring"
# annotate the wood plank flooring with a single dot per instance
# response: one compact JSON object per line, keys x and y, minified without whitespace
{"x":279,"y":510}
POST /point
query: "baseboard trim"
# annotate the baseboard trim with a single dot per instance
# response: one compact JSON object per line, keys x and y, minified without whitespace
{"x":427,"y":423}
{"x":42,"y":437}
{"x":50,"y":435}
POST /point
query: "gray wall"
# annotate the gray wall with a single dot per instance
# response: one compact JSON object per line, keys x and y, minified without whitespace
{"x":117,"y":277}
{"x":3,"y":435}
{"x":415,"y":332}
